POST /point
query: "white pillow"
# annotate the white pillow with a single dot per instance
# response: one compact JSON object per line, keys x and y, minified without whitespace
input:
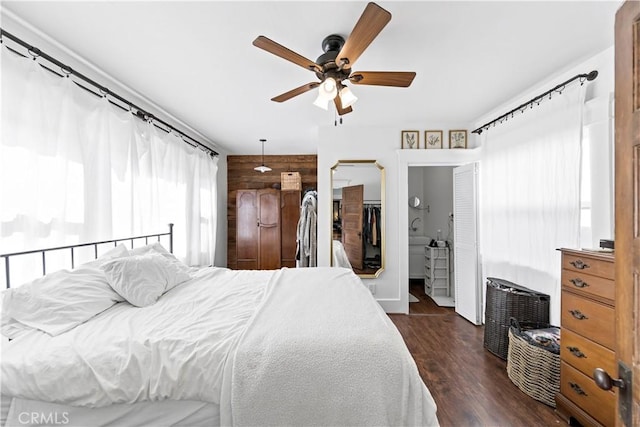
{"x":152,"y":248}
{"x":142,"y":279}
{"x":117,"y":252}
{"x":11,"y":328}
{"x":57,"y":302}
{"x":157,"y":248}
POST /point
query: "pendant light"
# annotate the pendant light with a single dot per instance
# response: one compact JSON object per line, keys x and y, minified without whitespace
{"x":262,"y":168}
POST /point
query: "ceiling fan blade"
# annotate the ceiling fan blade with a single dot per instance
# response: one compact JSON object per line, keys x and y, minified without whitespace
{"x":371,"y":22}
{"x":341,"y":111}
{"x":383,"y":78}
{"x":277,"y":49}
{"x":295,"y":92}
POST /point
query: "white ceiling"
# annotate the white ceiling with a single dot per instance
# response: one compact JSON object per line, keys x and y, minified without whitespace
{"x":196,"y":61}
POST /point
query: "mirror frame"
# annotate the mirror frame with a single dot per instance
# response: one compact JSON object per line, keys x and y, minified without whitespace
{"x":382,"y":214}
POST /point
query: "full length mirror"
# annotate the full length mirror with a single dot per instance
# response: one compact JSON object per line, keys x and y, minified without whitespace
{"x":358,"y":216}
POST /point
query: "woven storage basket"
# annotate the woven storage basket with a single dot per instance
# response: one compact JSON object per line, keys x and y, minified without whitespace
{"x":504,"y":301}
{"x":290,"y":181}
{"x":533,"y":369}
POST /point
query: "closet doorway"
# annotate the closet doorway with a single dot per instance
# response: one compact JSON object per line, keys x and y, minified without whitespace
{"x":443,"y":248}
{"x":431,"y":235}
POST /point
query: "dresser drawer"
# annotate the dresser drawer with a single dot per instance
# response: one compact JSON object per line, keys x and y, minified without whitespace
{"x":588,"y":318}
{"x":584,"y":392}
{"x":585,"y":355}
{"x":589,"y":285}
{"x":584,"y":264}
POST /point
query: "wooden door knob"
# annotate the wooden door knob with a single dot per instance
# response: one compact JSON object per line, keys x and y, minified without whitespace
{"x":604,"y":380}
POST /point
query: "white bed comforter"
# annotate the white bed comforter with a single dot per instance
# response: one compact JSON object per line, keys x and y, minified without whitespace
{"x":174,"y":349}
{"x":321,"y":351}
{"x":290,"y":347}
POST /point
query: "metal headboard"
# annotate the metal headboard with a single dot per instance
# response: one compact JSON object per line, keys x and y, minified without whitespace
{"x":72,"y":247}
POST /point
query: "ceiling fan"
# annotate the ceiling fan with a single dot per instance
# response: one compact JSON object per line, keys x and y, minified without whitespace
{"x":333,"y":67}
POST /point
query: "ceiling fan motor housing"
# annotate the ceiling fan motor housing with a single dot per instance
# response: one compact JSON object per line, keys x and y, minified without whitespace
{"x":331,"y":45}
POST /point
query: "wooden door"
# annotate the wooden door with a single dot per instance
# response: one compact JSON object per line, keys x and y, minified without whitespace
{"x":269,"y":249}
{"x":247,"y":230}
{"x":627,"y":206}
{"x":352,"y":204}
{"x":290,"y":215}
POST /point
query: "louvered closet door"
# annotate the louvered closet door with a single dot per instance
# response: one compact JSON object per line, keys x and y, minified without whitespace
{"x":468,"y":293}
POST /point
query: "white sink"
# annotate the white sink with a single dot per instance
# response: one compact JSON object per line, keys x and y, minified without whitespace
{"x":419,"y":240}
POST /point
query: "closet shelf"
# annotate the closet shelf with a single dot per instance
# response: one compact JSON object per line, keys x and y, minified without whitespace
{"x":436,"y":272}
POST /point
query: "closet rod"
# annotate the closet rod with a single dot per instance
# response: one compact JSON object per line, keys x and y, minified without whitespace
{"x":67,"y":70}
{"x":559,"y":88}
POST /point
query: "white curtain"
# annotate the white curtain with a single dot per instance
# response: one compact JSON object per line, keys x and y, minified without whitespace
{"x":530,"y":194}
{"x":75,"y":168}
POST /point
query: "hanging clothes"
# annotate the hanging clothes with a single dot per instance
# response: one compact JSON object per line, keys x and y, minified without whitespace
{"x":371,"y":225}
{"x":372,"y":235}
{"x":374,"y":231}
{"x":306,"y":237}
{"x":378,"y":223}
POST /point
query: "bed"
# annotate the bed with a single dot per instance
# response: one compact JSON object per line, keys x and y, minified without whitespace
{"x":211,"y":346}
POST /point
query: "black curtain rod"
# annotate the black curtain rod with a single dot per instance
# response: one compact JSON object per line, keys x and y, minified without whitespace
{"x":559,"y":88}
{"x":103,"y":91}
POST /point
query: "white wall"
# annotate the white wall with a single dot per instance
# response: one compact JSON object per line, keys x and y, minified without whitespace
{"x":416,"y":188}
{"x":351,"y":143}
{"x":222,"y":231}
{"x":438,"y":193}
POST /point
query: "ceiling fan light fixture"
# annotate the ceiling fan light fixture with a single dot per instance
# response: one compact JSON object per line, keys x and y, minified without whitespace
{"x":328,"y":88}
{"x":347,"y":98}
{"x":322,"y":102}
{"x":262,"y":168}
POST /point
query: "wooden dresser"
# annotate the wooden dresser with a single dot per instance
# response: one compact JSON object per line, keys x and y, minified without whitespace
{"x":587,"y":338}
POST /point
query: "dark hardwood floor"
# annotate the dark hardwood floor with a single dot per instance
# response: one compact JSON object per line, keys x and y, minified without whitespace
{"x":469,"y":384}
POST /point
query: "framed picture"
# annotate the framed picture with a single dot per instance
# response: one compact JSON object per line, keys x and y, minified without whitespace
{"x":410,"y":139}
{"x":457,"y":139}
{"x":432,"y":139}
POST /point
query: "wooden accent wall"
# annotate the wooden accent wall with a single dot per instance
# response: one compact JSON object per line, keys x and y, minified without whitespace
{"x":240,"y":175}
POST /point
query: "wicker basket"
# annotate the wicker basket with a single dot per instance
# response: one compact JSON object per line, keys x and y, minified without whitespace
{"x":504,"y":301}
{"x":291,"y":181}
{"x":533,"y":369}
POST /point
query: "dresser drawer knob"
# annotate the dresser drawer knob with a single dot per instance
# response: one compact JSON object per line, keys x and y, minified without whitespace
{"x":579,"y":264}
{"x":576,"y":352}
{"x":577,"y":389}
{"x":579,"y":283}
{"x":578,"y":315}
